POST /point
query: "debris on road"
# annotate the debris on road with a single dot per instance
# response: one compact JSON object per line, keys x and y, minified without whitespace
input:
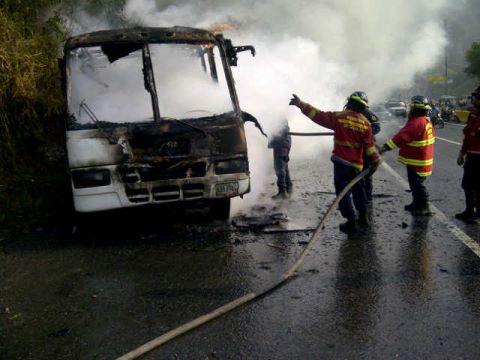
{"x":271,"y":223}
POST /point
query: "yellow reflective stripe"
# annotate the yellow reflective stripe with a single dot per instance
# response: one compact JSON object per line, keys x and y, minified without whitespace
{"x":422,"y":142}
{"x":415,"y":162}
{"x":359,"y":99}
{"x":355,"y":119}
{"x":427,"y":173}
{"x":353,"y":123}
{"x":347,"y":143}
{"x":312,"y":113}
{"x":391,"y":144}
{"x":371,"y":150}
{"x":357,"y":165}
{"x":429,"y":129}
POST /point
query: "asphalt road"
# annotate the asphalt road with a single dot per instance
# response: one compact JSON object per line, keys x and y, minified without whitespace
{"x":407,"y":288}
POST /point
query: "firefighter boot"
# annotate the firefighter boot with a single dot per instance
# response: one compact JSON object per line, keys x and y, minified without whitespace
{"x":282,"y":194}
{"x":348,"y":227}
{"x":289,"y":188}
{"x":468,"y":216}
{"x":423,"y":209}
{"x":411,"y":207}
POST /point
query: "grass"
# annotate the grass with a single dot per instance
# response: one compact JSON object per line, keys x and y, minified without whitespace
{"x":31,"y":117}
{"x":31,"y":101}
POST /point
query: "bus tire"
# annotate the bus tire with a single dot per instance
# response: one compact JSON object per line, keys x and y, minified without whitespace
{"x":220,"y":209}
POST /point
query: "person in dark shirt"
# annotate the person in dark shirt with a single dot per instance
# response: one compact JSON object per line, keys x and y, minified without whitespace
{"x":375,"y":124}
{"x":469,"y":157}
{"x":281,"y":143}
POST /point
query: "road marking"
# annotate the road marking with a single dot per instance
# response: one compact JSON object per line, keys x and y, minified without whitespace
{"x":462,"y":125}
{"x":450,"y":141}
{"x":454,"y":229}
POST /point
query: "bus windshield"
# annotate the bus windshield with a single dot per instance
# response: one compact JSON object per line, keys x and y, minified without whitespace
{"x":111,"y":87}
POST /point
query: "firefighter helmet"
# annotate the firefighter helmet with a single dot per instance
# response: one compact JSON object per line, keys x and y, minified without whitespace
{"x":419,"y":102}
{"x":359,"y":96}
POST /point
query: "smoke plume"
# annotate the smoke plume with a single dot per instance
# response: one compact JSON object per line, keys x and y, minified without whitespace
{"x":320,"y":50}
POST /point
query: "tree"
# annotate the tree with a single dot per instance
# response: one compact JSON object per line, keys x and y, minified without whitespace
{"x":472,"y":57}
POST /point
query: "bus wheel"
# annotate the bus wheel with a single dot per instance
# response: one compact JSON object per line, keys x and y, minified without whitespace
{"x":220,"y":209}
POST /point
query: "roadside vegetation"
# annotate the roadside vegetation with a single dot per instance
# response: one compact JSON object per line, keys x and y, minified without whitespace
{"x":31,"y":108}
{"x":473,"y":60}
{"x":34,"y":183}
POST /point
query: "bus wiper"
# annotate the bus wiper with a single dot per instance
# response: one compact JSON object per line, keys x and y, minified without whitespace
{"x":91,"y":115}
{"x":149,"y":80}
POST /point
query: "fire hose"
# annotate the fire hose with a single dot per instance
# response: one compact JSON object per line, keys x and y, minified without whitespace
{"x":152,"y":344}
{"x":311,"y":134}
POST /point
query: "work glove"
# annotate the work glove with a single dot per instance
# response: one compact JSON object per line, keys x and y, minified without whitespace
{"x":375,"y":164}
{"x":384,"y":148}
{"x":461,"y":158}
{"x":295,"y":101}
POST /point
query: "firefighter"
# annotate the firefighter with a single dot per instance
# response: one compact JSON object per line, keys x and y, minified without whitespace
{"x":469,"y":157}
{"x":416,"y":140}
{"x":281,"y":143}
{"x":375,"y":124}
{"x":352,"y":137}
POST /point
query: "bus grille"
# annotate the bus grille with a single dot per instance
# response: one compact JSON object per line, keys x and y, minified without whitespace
{"x":179,"y":170}
{"x":167,"y":193}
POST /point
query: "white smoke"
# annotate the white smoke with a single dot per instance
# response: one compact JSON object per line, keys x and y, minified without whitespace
{"x":321,"y":50}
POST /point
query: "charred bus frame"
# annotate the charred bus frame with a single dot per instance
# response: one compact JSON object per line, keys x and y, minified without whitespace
{"x":118,"y":164}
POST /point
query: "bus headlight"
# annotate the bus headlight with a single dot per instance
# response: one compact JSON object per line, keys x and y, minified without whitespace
{"x":233,"y":166}
{"x":90,"y":178}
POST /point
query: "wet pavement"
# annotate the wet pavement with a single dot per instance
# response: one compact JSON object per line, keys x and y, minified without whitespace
{"x":406,"y":288}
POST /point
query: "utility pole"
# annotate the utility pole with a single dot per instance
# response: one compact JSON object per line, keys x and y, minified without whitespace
{"x":446,"y":64}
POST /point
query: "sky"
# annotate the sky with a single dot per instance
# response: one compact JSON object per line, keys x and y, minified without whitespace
{"x":321,"y":50}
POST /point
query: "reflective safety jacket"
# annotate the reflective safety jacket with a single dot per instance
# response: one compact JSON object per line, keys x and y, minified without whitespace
{"x":471,"y":132}
{"x":415,"y":141}
{"x":352,"y":134}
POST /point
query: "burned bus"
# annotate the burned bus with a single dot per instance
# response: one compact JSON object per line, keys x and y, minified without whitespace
{"x":154,"y":118}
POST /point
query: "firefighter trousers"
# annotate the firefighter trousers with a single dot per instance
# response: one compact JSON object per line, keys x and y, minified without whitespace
{"x":342,"y":175}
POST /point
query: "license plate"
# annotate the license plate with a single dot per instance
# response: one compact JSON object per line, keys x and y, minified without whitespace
{"x":226,"y":188}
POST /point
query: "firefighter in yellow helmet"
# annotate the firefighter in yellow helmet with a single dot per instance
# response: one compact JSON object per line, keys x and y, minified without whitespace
{"x":415,"y":141}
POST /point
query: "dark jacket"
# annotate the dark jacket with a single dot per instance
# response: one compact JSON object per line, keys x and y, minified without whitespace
{"x":281,"y":139}
{"x":373,"y":120}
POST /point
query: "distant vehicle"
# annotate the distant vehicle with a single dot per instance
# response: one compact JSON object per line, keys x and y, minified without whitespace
{"x":381,"y":111}
{"x":448,"y":104}
{"x":436,"y":117}
{"x":154,"y":119}
{"x":461,"y":116}
{"x":448,"y":113}
{"x":465,"y":101}
{"x":447,"y":101}
{"x":397,"y":108}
